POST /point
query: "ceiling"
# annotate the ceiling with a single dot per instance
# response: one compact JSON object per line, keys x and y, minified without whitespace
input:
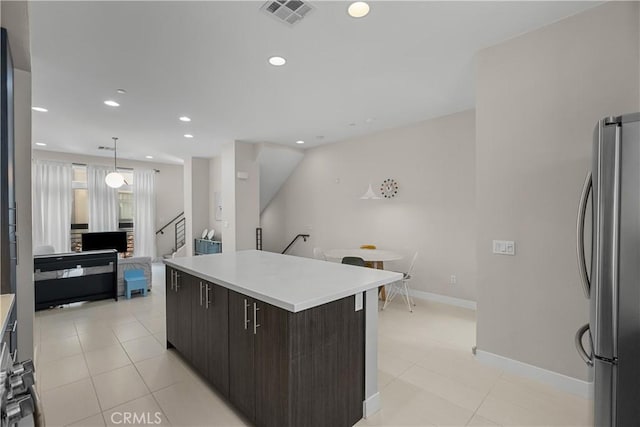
{"x":404,"y":62}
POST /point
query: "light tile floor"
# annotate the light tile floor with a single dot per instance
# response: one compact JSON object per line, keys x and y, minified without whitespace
{"x":97,"y":361}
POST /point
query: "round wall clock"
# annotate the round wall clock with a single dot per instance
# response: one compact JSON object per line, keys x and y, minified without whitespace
{"x":389,"y":188}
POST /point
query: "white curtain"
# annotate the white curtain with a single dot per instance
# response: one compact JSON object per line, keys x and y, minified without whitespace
{"x":144,"y":214}
{"x":103,"y":200}
{"x":52,"y":202}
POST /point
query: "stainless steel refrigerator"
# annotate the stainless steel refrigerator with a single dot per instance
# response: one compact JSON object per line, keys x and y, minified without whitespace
{"x":612,"y":280}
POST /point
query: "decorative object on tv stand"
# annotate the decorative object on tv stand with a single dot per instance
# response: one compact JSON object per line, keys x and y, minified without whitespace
{"x":370,"y":194}
{"x":115,"y":178}
{"x":389,"y":188}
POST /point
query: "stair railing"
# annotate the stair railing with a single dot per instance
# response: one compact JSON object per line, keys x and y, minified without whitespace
{"x":304,"y":237}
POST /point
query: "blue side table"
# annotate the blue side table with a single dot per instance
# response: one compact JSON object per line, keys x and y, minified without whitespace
{"x":134,"y":280}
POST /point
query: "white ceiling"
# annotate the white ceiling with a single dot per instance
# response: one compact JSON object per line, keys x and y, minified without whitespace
{"x":404,"y":62}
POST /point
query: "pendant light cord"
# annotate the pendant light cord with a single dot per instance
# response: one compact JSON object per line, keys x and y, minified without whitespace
{"x":115,"y":153}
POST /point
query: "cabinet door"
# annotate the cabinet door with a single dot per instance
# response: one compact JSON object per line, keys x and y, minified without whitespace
{"x":242,"y":392}
{"x":185,"y":286}
{"x":272,"y":356}
{"x":216,"y":306}
{"x":199,"y":329}
{"x":172,"y":307}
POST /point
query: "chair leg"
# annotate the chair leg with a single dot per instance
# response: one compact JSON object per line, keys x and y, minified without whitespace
{"x":406,"y":295}
{"x":387,"y":299}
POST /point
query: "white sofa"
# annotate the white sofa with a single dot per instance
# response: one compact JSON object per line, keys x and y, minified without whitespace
{"x":133,"y":263}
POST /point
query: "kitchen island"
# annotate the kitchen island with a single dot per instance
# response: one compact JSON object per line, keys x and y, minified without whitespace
{"x":289,"y":341}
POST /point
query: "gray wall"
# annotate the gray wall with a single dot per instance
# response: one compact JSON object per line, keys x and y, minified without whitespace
{"x":16,"y":20}
{"x":538,"y":99}
{"x":25,"y":290}
{"x":169,"y":187}
{"x":434,"y":212}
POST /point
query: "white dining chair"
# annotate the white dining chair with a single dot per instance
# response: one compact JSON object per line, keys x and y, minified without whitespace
{"x":402,"y":287}
{"x":318,"y":253}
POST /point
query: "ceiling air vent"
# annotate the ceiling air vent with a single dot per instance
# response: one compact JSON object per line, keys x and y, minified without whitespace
{"x":287,"y":11}
{"x":102,"y":147}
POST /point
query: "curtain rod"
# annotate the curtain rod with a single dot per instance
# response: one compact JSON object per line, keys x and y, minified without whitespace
{"x":119,"y":167}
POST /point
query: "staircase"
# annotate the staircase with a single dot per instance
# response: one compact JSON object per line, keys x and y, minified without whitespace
{"x":179,"y":230}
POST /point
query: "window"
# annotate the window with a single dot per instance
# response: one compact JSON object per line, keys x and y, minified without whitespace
{"x":80,"y":206}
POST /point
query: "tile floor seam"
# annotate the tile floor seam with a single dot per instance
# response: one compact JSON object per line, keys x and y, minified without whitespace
{"x":93,"y":385}
{"x":485,"y":398}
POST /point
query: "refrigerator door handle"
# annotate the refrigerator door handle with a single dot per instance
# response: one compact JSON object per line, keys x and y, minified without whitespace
{"x":587,"y":357}
{"x":582,"y":210}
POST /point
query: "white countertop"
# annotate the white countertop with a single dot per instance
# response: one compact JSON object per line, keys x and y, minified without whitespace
{"x":289,"y":282}
{"x":6,"y":304}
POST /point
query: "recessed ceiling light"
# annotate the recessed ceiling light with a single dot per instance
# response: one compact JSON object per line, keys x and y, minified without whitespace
{"x":148,"y":157}
{"x":188,"y":135}
{"x":358,"y":9}
{"x":41,"y":144}
{"x":300,"y":142}
{"x":39,"y":109}
{"x":111,"y":103}
{"x":185,"y":119}
{"x":277,"y":61}
{"x":121,"y":91}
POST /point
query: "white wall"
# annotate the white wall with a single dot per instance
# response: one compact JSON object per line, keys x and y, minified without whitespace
{"x":240,"y":197}
{"x":169,"y":185}
{"x":247,"y":196}
{"x":215,"y":186}
{"x":538,"y":99}
{"x":434,"y":212}
{"x":228,"y":188}
{"x":200,"y":196}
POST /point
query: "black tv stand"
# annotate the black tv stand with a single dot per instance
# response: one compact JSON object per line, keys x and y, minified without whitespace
{"x":72,"y":277}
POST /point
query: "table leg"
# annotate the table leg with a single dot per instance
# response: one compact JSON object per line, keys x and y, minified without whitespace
{"x":382,"y":292}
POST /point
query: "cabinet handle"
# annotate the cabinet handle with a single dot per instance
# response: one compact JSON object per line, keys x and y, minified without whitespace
{"x":177,"y":284}
{"x":256,"y":325}
{"x":246,"y":317}
{"x":13,"y":328}
{"x":207,"y":300}
{"x":200,"y":293}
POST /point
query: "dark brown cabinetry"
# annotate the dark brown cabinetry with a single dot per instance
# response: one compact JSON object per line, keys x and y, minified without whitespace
{"x":277,"y":367}
{"x":179,"y":295}
{"x":210,"y":333}
{"x":258,"y":359}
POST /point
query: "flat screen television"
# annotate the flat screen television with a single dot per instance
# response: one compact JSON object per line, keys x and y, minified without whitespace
{"x":105,"y":240}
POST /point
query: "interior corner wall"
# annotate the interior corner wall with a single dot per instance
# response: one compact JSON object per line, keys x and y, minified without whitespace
{"x":24,"y":274}
{"x":215,"y":187}
{"x":196,"y":199}
{"x":538,"y":98}
{"x":433,"y":213}
{"x":247,"y":195}
{"x":228,"y":189}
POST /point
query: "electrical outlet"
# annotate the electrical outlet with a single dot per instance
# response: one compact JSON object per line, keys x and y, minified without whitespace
{"x":453,"y":279}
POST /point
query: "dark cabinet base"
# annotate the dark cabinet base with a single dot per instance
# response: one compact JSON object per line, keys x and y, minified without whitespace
{"x":276,"y":367}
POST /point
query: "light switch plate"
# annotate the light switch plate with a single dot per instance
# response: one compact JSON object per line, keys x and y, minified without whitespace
{"x":504,"y":247}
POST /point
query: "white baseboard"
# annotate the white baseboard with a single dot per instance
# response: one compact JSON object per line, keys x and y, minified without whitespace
{"x":559,"y":381}
{"x":458,"y":302}
{"x":371,"y":405}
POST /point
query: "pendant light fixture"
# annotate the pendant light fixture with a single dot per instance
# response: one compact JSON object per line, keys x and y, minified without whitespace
{"x":114,"y":179}
{"x":370,"y":194}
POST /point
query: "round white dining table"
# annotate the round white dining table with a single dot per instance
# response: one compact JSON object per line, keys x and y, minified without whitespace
{"x":369,"y":255}
{"x":376,"y":257}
